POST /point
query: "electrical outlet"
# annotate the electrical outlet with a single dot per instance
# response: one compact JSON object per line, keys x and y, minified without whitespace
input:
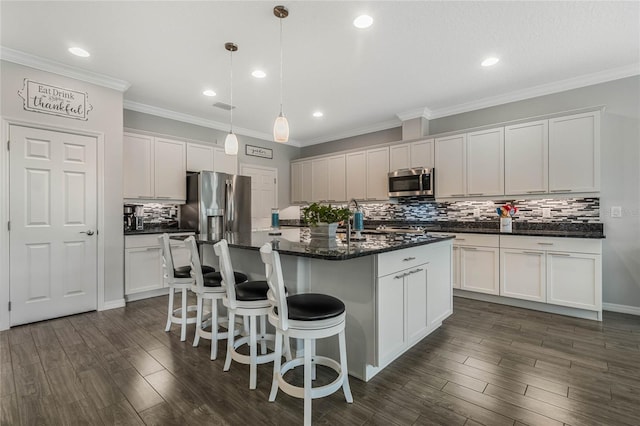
{"x":476,"y":212}
{"x":546,"y":212}
{"x":616,"y":211}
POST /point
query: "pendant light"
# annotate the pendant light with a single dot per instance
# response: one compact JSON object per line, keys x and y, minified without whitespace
{"x":231,"y":141}
{"x":281,"y":126}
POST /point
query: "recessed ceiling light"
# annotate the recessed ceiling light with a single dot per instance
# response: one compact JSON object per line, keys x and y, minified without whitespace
{"x":78,"y":51}
{"x":318,"y":114}
{"x":490,"y":61}
{"x":259,"y":74}
{"x":209,"y":93}
{"x":363,"y":21}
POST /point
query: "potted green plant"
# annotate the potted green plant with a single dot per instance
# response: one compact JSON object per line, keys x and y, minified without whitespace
{"x":323,"y":220}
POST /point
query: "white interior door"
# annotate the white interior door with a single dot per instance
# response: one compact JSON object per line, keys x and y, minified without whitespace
{"x":53,"y":242}
{"x":264,"y":194}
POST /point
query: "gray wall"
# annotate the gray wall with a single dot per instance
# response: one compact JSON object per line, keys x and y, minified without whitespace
{"x":354,"y":142}
{"x":282,"y":153}
{"x":106,"y":118}
{"x":620,"y":166}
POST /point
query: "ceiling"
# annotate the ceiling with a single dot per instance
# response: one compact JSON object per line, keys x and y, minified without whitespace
{"x":418,"y":59}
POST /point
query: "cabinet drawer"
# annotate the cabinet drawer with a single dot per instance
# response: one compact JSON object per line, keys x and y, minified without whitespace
{"x":395,"y":261}
{"x":478,"y":240}
{"x":150,"y":240}
{"x":575,"y":245}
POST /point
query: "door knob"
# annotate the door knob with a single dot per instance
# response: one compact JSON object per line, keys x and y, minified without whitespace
{"x":89,"y":232}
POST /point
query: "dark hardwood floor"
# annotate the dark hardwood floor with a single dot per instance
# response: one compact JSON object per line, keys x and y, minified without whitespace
{"x":488,"y":364}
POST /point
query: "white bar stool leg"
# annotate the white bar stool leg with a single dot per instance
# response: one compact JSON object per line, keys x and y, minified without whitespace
{"x":253,"y":352}
{"x":343,"y":366}
{"x":313,"y":356}
{"x":307,"y":382}
{"x":196,"y":339}
{"x":230,"y":341}
{"x":170,"y":310}
{"x":214,"y":329}
{"x":183,"y":328}
{"x":276,"y":366}
{"x":263,"y":332}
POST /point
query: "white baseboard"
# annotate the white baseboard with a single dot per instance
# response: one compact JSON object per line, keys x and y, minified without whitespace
{"x":112,"y":304}
{"x":623,"y":309}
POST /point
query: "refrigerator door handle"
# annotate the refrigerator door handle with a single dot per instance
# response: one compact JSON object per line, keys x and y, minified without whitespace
{"x":228,"y":195}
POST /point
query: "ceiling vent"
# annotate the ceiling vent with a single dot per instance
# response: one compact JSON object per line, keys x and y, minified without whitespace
{"x":224,"y":106}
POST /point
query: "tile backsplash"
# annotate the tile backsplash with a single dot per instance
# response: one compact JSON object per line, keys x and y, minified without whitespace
{"x":573,"y":210}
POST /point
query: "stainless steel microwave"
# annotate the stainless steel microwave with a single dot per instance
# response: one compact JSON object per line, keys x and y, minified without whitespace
{"x":415,"y":182}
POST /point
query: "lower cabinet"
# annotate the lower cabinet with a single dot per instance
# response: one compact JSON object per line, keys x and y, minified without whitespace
{"x":412,"y":301}
{"x":143,"y":262}
{"x":559,"y":271}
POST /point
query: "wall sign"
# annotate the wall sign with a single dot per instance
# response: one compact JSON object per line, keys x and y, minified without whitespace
{"x":47,"y":99}
{"x":258,"y":151}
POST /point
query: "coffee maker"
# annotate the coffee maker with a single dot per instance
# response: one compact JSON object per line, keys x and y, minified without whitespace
{"x":139,"y":218}
{"x":128,"y":215}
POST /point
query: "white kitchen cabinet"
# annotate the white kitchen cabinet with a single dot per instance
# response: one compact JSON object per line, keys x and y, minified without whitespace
{"x":526,"y":158}
{"x":224,"y":163}
{"x":137,"y":166}
{"x":523,"y":274}
{"x":574,"y":153}
{"x":450,"y":166}
{"x":143,"y":262}
{"x":170,"y":169}
{"x":575,"y":280}
{"x":485,"y":162}
{"x":320,"y":179}
{"x":478,"y":262}
{"x":357,"y":175}
{"x":154,"y":168}
{"x":377,"y":174}
{"x":408,"y":155}
{"x":416,"y":304}
{"x":301,"y":182}
{"x":199,"y":157}
{"x":392,"y":338}
{"x":559,"y":271}
{"x":455,"y":260}
{"x":337,"y":178}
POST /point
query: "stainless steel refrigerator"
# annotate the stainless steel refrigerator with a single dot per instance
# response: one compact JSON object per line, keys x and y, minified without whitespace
{"x":217,"y":203}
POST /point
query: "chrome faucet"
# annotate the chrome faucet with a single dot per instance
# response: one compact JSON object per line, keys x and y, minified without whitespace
{"x":355,"y":203}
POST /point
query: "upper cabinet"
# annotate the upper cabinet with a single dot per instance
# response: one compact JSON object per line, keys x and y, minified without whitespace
{"x":526,"y":158}
{"x":485,"y":160}
{"x":450,"y":170}
{"x":337,"y":178}
{"x":574,"y":153}
{"x":356,"y":170}
{"x":153,"y":168}
{"x":301,"y":182}
{"x":409,"y":155}
{"x":212,"y":158}
{"x":319,"y":179}
{"x":377,"y":174}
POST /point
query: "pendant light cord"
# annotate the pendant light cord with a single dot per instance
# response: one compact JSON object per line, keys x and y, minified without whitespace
{"x":231,"y":81}
{"x":281,"y":54}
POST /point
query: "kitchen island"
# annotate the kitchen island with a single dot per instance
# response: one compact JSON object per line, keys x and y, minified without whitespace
{"x":397,"y":288}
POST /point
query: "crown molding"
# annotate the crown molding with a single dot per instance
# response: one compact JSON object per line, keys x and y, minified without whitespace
{"x":198,"y":121}
{"x":42,"y":64}
{"x":541,"y":90}
{"x":354,"y":132}
{"x":415,"y":113}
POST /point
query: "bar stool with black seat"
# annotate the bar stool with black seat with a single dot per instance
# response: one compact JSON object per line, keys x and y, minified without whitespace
{"x":307,"y":316}
{"x":208,"y":287}
{"x":248,"y":299}
{"x":177,"y":278}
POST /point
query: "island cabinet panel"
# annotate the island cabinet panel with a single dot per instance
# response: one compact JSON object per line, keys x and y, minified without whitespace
{"x":574,"y":153}
{"x":391,"y":320}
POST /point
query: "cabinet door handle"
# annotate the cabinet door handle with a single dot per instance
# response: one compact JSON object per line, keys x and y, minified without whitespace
{"x":476,"y":193}
{"x":407,"y":259}
{"x":152,"y":248}
{"x":537,"y":253}
{"x":470,"y":248}
{"x":561,"y":254}
{"x":415,"y":271}
{"x":536,"y":192}
{"x":397,"y":277}
{"x":457,"y":195}
{"x":560,"y":190}
{"x":545,"y":244}
{"x":163,"y":198}
{"x":459,"y":239}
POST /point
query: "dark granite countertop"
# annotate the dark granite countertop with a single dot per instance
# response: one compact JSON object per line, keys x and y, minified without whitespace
{"x":545,"y":229}
{"x":158,"y":230}
{"x":297,"y":242}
